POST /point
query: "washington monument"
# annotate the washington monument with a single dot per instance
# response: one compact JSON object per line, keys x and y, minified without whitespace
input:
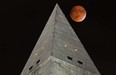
{"x":59,"y":51}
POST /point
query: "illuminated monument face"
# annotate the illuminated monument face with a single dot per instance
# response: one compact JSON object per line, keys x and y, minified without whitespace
{"x":59,"y":51}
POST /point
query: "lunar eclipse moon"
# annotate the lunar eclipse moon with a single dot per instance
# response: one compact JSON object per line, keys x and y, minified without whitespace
{"x":78,"y":13}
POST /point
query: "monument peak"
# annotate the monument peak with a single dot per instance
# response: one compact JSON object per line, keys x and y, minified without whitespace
{"x":59,"y":51}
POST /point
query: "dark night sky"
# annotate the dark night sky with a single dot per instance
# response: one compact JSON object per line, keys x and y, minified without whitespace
{"x":22,"y":22}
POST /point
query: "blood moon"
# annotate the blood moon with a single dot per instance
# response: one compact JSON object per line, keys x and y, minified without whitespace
{"x":78,"y":13}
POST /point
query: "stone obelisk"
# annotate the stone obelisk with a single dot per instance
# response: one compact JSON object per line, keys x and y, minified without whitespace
{"x":59,"y":51}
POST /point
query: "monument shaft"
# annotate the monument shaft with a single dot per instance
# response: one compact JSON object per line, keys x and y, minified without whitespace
{"x":59,"y":51}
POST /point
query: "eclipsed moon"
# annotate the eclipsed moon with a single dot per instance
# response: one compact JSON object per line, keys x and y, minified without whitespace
{"x":78,"y":13}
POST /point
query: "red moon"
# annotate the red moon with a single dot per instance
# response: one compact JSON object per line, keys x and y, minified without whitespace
{"x":78,"y":13}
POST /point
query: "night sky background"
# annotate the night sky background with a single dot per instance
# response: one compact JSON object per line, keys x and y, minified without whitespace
{"x":22,"y":21}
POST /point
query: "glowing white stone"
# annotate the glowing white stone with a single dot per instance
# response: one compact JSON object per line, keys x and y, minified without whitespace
{"x":65,"y":45}
{"x":75,"y":49}
{"x":35,"y":54}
